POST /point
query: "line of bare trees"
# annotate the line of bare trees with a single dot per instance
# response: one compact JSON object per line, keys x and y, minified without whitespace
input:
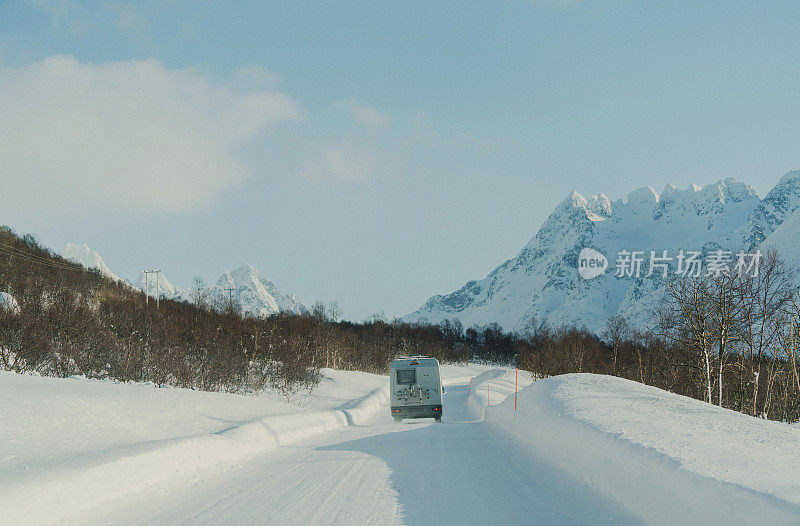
{"x":742,"y":331}
{"x":728,"y":339}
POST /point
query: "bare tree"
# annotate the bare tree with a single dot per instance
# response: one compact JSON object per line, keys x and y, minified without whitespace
{"x":200,"y":293}
{"x":691,"y":327}
{"x":763,"y":298}
{"x":616,"y":331}
{"x":725,"y":310}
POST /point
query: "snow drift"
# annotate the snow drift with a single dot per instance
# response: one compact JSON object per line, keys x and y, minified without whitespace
{"x":46,"y":496}
{"x":667,"y":458}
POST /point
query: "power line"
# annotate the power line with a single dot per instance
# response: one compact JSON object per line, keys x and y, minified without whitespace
{"x":34,"y":257}
{"x":41,"y":260}
{"x":75,"y":267}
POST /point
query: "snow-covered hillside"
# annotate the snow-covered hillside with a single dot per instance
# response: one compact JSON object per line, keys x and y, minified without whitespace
{"x":88,"y":258}
{"x":542,"y":281}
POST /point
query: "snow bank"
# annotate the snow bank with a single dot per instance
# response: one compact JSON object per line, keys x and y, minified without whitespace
{"x":667,"y":458}
{"x":85,"y":481}
{"x":45,"y":421}
{"x":501,"y":386}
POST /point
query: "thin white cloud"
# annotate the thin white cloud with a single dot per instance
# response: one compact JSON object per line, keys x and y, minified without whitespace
{"x":358,"y":153}
{"x":366,"y":115}
{"x":82,"y":19}
{"x":342,"y":160}
{"x":131,"y":134}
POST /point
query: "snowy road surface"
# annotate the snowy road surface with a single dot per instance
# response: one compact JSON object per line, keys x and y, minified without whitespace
{"x":458,"y":472}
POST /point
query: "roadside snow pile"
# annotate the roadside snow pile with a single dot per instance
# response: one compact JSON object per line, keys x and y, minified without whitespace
{"x":494,"y":386}
{"x":462,"y":373}
{"x":46,"y":420}
{"x":667,"y":458}
{"x":67,"y":445}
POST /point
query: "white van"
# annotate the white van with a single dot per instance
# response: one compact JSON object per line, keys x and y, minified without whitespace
{"x":416,"y":388}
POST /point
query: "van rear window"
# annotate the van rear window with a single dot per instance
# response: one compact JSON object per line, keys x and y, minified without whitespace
{"x":406,"y":376}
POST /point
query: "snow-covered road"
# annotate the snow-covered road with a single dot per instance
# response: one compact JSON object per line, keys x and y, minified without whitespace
{"x":458,"y":472}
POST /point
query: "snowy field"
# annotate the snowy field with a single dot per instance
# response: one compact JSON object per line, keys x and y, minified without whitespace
{"x":579,"y":449}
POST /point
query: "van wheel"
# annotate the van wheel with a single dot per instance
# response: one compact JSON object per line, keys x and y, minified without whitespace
{"x":438,"y":419}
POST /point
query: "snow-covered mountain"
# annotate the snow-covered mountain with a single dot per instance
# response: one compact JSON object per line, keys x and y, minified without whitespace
{"x":88,"y":258}
{"x":542,"y":281}
{"x":250,"y":289}
{"x":778,"y":206}
{"x":256,"y":294}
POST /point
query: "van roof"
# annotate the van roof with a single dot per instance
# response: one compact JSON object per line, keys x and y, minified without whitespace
{"x":422,"y":360}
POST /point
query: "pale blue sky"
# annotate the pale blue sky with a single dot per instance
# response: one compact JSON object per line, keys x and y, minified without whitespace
{"x":374,"y":153}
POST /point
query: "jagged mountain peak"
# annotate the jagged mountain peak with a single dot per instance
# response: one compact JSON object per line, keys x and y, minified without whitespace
{"x":87,"y":257}
{"x":600,"y":205}
{"x":245,"y":272}
{"x":643,"y":195}
{"x":728,"y":190}
{"x":576,"y":205}
{"x":674,"y":194}
{"x":256,"y":293}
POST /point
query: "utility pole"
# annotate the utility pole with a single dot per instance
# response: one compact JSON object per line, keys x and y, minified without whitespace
{"x":147,"y":286}
{"x":230,"y":288}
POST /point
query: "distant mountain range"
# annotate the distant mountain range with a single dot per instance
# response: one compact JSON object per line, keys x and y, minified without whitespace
{"x":254,"y":292}
{"x":543,"y":282}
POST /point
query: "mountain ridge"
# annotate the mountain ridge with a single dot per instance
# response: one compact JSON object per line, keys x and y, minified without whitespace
{"x":542,"y":283}
{"x":256,"y":294}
